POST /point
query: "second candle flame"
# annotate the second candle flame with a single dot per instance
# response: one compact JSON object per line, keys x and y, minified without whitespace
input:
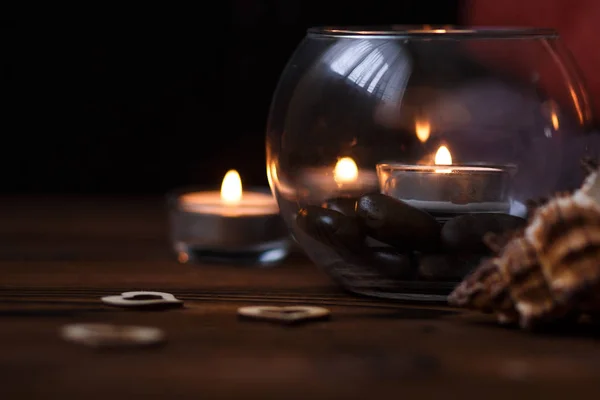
{"x":231,"y":188}
{"x":345,"y":171}
{"x":443,"y":157}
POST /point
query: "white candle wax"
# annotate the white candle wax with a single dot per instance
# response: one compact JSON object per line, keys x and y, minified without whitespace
{"x":321,"y":184}
{"x":324,"y":179}
{"x":448,"y":207}
{"x":344,"y":178}
{"x":211,"y":202}
{"x":451,"y":189}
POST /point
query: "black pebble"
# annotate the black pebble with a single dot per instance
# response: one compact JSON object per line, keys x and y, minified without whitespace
{"x":465,"y":233}
{"x":398,"y":224}
{"x":393,"y":263}
{"x":344,"y":205}
{"x":330,"y":227}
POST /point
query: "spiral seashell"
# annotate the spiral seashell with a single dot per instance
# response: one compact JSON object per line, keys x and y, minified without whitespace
{"x":546,"y":273}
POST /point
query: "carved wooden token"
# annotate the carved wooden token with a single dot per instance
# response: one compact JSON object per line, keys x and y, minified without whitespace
{"x":143,"y":299}
{"x":289,"y":314}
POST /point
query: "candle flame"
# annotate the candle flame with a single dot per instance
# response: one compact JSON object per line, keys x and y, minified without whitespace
{"x":345,"y":170}
{"x":443,"y":157}
{"x":555,"y":122}
{"x":422,"y":129}
{"x":231,"y":188}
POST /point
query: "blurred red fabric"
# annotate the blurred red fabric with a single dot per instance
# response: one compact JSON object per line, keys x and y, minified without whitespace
{"x":578,"y":23}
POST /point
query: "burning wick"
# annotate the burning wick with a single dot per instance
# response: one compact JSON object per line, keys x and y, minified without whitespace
{"x":231,"y":188}
{"x":443,"y":157}
{"x":345,"y":171}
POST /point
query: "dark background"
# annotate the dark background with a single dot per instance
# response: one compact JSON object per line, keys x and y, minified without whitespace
{"x":116,"y":104}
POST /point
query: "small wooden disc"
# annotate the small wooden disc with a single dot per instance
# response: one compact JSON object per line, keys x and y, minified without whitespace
{"x":107,"y":335}
{"x":142,"y":299}
{"x":288,"y":314}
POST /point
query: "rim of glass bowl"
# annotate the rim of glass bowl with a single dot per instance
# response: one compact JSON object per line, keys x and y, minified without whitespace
{"x":421,"y":33}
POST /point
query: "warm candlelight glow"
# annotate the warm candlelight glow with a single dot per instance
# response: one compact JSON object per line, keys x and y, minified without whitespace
{"x":554,"y":118}
{"x":231,"y":189}
{"x":183,"y":257}
{"x":422,"y":129}
{"x":345,"y":170}
{"x":443,"y":157}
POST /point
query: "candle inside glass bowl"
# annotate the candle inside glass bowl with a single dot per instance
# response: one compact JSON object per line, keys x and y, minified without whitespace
{"x":446,"y":189}
{"x":230,"y":225}
{"x":344,"y":179}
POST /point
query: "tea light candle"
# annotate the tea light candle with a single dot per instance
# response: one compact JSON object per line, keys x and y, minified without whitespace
{"x":345,"y":179}
{"x":229,"y":224}
{"x":446,"y":188}
{"x":230,"y":201}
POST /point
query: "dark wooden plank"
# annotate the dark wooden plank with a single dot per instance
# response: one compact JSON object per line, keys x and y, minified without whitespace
{"x":58,"y":259}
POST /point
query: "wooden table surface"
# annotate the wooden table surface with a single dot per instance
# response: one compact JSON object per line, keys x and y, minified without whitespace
{"x":60,"y":255}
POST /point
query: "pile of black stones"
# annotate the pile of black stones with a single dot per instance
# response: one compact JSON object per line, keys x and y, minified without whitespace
{"x":400,"y":241}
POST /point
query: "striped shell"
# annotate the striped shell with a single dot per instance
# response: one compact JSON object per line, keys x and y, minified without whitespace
{"x":547,"y":273}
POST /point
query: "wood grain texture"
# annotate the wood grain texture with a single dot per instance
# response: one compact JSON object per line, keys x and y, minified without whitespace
{"x":59,"y":256}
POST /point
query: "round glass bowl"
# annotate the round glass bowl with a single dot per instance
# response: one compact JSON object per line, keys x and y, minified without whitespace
{"x":391,"y":151}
